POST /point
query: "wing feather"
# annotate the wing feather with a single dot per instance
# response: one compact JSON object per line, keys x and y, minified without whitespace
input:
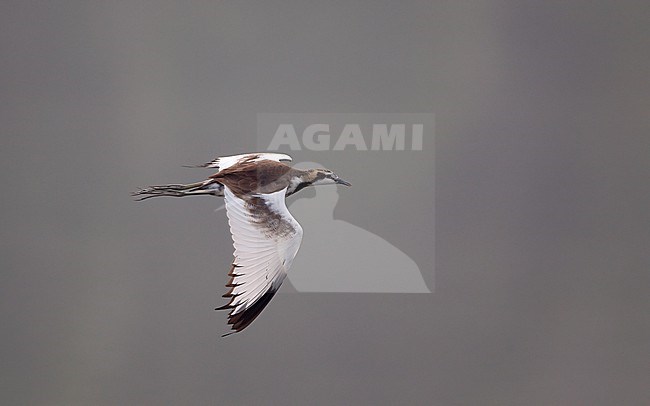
{"x":264,"y":251}
{"x":228,"y":161}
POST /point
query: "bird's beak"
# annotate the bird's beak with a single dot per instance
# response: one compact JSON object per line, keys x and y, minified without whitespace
{"x":342,"y":182}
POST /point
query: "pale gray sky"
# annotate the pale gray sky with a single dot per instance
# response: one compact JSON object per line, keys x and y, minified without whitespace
{"x":541,"y":201}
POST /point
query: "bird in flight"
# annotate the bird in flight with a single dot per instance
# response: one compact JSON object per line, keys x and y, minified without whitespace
{"x":265,"y":235}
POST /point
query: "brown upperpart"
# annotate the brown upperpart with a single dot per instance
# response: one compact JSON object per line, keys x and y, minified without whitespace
{"x":264,"y":177}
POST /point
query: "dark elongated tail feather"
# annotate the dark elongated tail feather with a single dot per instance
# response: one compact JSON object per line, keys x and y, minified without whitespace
{"x":206,"y":187}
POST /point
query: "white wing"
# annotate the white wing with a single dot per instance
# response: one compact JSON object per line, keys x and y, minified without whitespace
{"x":266,"y":238}
{"x":227,"y":161}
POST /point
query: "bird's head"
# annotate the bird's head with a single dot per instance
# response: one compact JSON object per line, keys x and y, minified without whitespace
{"x":324,"y":177}
{"x":313,"y":177}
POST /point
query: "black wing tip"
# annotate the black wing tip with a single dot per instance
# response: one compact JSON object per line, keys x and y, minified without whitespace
{"x":243,"y":319}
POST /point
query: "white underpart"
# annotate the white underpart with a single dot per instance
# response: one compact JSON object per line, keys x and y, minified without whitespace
{"x":262,"y":260}
{"x":227,"y":161}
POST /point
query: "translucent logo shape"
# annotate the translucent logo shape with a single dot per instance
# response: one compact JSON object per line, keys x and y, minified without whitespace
{"x":337,"y":256}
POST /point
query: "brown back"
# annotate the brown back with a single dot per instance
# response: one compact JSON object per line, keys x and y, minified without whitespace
{"x":264,"y":176}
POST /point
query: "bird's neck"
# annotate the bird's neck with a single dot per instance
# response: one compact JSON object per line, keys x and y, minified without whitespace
{"x":298,"y":181}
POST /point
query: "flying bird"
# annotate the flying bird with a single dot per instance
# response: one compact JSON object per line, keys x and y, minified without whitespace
{"x":265,"y":235}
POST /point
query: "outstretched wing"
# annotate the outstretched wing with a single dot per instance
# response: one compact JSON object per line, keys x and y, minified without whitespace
{"x":228,"y":161}
{"x":266,"y":238}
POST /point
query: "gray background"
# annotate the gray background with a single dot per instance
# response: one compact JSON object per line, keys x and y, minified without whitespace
{"x":541,"y":201}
